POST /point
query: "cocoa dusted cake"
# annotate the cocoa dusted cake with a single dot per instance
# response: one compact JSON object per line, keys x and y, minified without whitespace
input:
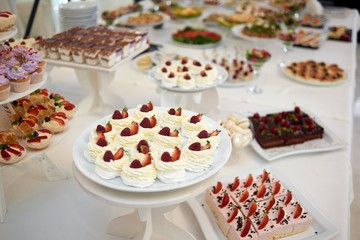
{"x":285,"y":128}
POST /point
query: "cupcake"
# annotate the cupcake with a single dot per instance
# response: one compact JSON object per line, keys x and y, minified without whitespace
{"x":3,"y":69}
{"x":35,"y":72}
{"x":36,"y":57}
{"x":4,"y":87}
{"x":19,"y":79}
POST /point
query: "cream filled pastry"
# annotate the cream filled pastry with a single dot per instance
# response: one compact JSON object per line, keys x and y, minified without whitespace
{"x":186,"y":82}
{"x":11,"y":153}
{"x":149,"y":126}
{"x":56,"y":123}
{"x":169,"y":79}
{"x":167,"y":138}
{"x":170,"y":167}
{"x":39,"y":139}
{"x":107,"y":129}
{"x":204,"y":136}
{"x":204,"y":80}
{"x":198,"y":157}
{"x":121,"y":119}
{"x":129,"y":136}
{"x":66,"y":107}
{"x":97,"y":146}
{"x":142,"y":148}
{"x":110,"y":164}
{"x":193,"y":125}
{"x":145,"y":110}
{"x":173,"y":118}
{"x":139,"y":172}
{"x":196,"y":67}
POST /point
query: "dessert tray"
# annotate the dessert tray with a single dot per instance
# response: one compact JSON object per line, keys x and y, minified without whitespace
{"x":125,"y":20}
{"x":221,"y":157}
{"x":8,"y":34}
{"x":221,"y":78}
{"x":237,"y":31}
{"x":320,"y":228}
{"x":312,"y":82}
{"x":33,"y":87}
{"x":329,"y":142}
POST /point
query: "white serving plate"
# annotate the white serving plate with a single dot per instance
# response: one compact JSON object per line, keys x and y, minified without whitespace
{"x":124,"y":20}
{"x":156,"y":57}
{"x":329,"y":142}
{"x":321,"y":227}
{"x":8,"y":34}
{"x":237,"y":31}
{"x":221,"y":157}
{"x":14,"y":96}
{"x":222,"y":76}
{"x":282,"y":66}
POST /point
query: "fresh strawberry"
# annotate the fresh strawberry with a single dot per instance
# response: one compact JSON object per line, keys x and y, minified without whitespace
{"x":100,"y":129}
{"x":145,"y":123}
{"x":33,"y":119}
{"x":119,"y":154}
{"x":174,"y":133}
{"x":125,"y":132}
{"x":261,"y":191}
{"x":147,"y":160}
{"x":280,"y":216}
{"x":13,"y":151}
{"x":18,"y":147}
{"x":59,"y":114}
{"x":288,"y":198}
{"x":101,"y":142}
{"x":134,"y":128}
{"x":270,"y":204}
{"x":196,"y":118}
{"x":5,"y":155}
{"x":146,"y":107}
{"x":206,"y":146}
{"x":176,"y":154}
{"x":203,"y":134}
{"x":150,"y":106}
{"x":166,"y":157}
{"x":298,"y":211}
{"x":44,"y":131}
{"x":125,"y":113}
{"x":33,"y":111}
{"x":58,"y":120}
{"x":29,"y":122}
{"x":245,"y":231}
{"x":40,"y":107}
{"x":171,"y":111}
{"x":249,"y":181}
{"x":265,"y":176}
{"x":144,"y":149}
{"x":165,"y":131}
{"x":252,"y":209}
{"x":244,"y":196}
{"x":178,"y":112}
{"x":217,"y":188}
{"x":135,"y":164}
{"x":235,"y":184}
{"x":108,"y":156}
{"x":108,"y":127}
{"x":196,"y":146}
{"x":117,"y":115}
{"x":153,"y":121}
{"x":101,"y":135}
{"x":214,"y":133}
{"x":142,"y":143}
{"x":277,"y":188}
{"x":264,"y":221}
{"x":34,"y":140}
{"x":233,"y":214}
{"x":225,"y":200}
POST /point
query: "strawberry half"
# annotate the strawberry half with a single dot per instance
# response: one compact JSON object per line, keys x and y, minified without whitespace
{"x":206,"y":146}
{"x":288,"y":198}
{"x":153,"y":121}
{"x":117,"y":115}
{"x":252,"y":209}
{"x":18,"y":147}
{"x":261,"y":191}
{"x":217,"y":188}
{"x":233,"y":214}
{"x":174,"y":133}
{"x":124,"y":113}
{"x":135,"y":164}
{"x":277,"y":188}
{"x":245,"y":231}
{"x":244,"y":196}
{"x":249,"y":181}
{"x":13,"y":151}
{"x":134,"y":128}
{"x":58,"y":120}
{"x":270,"y":204}
{"x":298,"y":211}
{"x":225,"y":200}
{"x":280,"y":216}
{"x":176,"y":154}
{"x":108,"y":127}
{"x":265,"y":176}
{"x":146,"y":161}
{"x":178,"y":112}
{"x":59,"y":114}
{"x":196,"y":118}
{"x":5,"y":155}
{"x":264,"y":221}
{"x":119,"y":154}
{"x":235,"y":184}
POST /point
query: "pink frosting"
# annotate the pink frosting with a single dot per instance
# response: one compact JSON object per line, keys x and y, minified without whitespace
{"x":35,"y":56}
{"x":4,"y":48}
{"x":12,"y":61}
{"x":3,"y":80}
{"x":16,"y":73}
{"x":20,"y":50}
{"x":30,"y":66}
{"x":3,"y":69}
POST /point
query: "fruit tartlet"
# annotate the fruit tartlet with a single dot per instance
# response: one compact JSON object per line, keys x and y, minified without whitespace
{"x":11,"y":153}
{"x":129,"y":136}
{"x":66,"y":107}
{"x":24,"y":126}
{"x":145,"y":110}
{"x":56,"y":123}
{"x":121,"y":119}
{"x":149,"y":127}
{"x":111,"y":163}
{"x":173,"y":118}
{"x":139,"y":172}
{"x":193,"y":125}
{"x":205,"y":136}
{"x":198,"y":157}
{"x":170,"y":166}
{"x":39,"y":139}
{"x":97,"y":146}
{"x":167,"y":139}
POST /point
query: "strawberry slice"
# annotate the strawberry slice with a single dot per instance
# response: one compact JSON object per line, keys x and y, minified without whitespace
{"x":146,"y":161}
{"x":176,"y":154}
{"x":34,"y":140}
{"x":124,"y":113}
{"x":117,"y":115}
{"x":5,"y":155}
{"x":245,"y":231}
{"x":33,"y":119}
{"x":214,"y":133}
{"x":153,"y":121}
{"x":264,"y":221}
{"x":277,"y":188}
{"x":270,"y":204}
{"x":252,"y":209}
{"x":178,"y":112}
{"x":249,"y":181}
{"x":265,"y":176}
{"x":29,"y":122}
{"x":196,"y":118}
{"x":134,"y":128}
{"x":298,"y":211}
{"x":235,"y":184}
{"x":144,"y":149}
{"x":59,"y":114}
{"x":119,"y":154}
{"x":261,"y":191}
{"x":135,"y":164}
{"x":225,"y":200}
{"x":244,"y":196}
{"x":58,"y":120}
{"x":280,"y":216}
{"x":288,"y":198}
{"x":217,"y":188}
{"x":33,"y":111}
{"x":40,"y":107}
{"x":13,"y":151}
{"x":44,"y":131}
{"x":108,"y":127}
{"x":233,"y":214}
{"x":206,"y":146}
{"x":174,"y":133}
{"x":18,"y":147}
{"x":150,"y":106}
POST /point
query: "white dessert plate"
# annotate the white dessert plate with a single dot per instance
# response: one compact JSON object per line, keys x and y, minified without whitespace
{"x":329,"y":142}
{"x":237,"y":31}
{"x":320,"y":228}
{"x":8,"y":34}
{"x":156,"y":58}
{"x":222,"y":76}
{"x":282,"y":66}
{"x":124,"y":20}
{"x":33,"y":87}
{"x":221,"y":157}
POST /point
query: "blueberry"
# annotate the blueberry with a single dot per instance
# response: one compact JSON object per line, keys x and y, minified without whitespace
{"x":20,"y":119}
{"x":47,"y":119}
{"x":36,"y":134}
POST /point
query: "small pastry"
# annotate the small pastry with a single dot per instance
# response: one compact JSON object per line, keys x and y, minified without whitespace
{"x":120,"y":120}
{"x":56,"y":123}
{"x":139,"y":172}
{"x":173,"y":118}
{"x":39,"y":139}
{"x":167,"y":139}
{"x":149,"y":126}
{"x":204,"y":136}
{"x":193,"y":125}
{"x":11,"y":153}
{"x":129,"y":136}
{"x":110,"y":164}
{"x":198,"y":157}
{"x":170,"y":167}
{"x":145,"y":110}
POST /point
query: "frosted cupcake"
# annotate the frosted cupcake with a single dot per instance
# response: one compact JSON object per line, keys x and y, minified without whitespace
{"x":204,"y":136}
{"x":4,"y":88}
{"x":139,"y":172}
{"x":193,"y":125}
{"x":186,"y":82}
{"x":170,"y":167}
{"x":145,"y":110}
{"x":149,"y":127}
{"x":121,"y":119}
{"x":40,"y":139}
{"x":110,"y":164}
{"x":11,"y":61}
{"x":35,"y":72}
{"x":3,"y":69}
{"x":19,"y":79}
{"x":167,"y":139}
{"x":36,"y":57}
{"x":198,"y":157}
{"x":173,"y":118}
{"x":128,"y":137}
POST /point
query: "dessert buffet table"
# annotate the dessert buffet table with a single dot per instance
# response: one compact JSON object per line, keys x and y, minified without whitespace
{"x":323,"y":178}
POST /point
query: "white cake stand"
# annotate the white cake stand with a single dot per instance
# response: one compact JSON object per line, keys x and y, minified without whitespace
{"x":150,"y":208}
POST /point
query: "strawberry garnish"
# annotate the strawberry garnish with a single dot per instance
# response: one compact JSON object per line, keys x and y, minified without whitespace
{"x":233,"y":214}
{"x":13,"y":151}
{"x":153,"y":121}
{"x":165,"y":131}
{"x":108,"y":127}
{"x":206,"y":146}
{"x":134,"y":128}
{"x":178,"y":112}
{"x":265,"y":176}
{"x":249,"y":181}
{"x":147,"y":160}
{"x":125,"y":132}
{"x":5,"y":155}
{"x":280,"y":216}
{"x":33,"y":119}
{"x":217,"y":188}
{"x":145,"y":123}
{"x":196,"y":146}
{"x":108,"y":156}
{"x":174,"y":133}
{"x":214,"y":133}
{"x":288,"y":198}
{"x":270,"y":204}
{"x":59,"y":114}
{"x":125,"y":113}
{"x":117,"y":115}
{"x":101,"y":142}
{"x":166,"y":157}
{"x":261,"y":191}
{"x":196,"y":118}
{"x":225,"y":200}
{"x":18,"y":147}
{"x":252,"y":209}
{"x":246,"y":228}
{"x":171,"y":111}
{"x":298,"y":211}
{"x":33,"y":111}
{"x":235,"y":184}
{"x":143,"y":146}
{"x":44,"y":131}
{"x":100,"y":129}
{"x":176,"y":154}
{"x":147,"y":107}
{"x":277,"y":188}
{"x":264,"y":221}
{"x":29,"y":122}
{"x":119,"y":154}
{"x":244,"y":196}
{"x":58,"y":120}
{"x":203,"y":134}
{"x":101,"y":135}
{"x":135,"y":164}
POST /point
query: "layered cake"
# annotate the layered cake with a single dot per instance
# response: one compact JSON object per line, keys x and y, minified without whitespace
{"x":243,"y":213}
{"x":285,"y":128}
